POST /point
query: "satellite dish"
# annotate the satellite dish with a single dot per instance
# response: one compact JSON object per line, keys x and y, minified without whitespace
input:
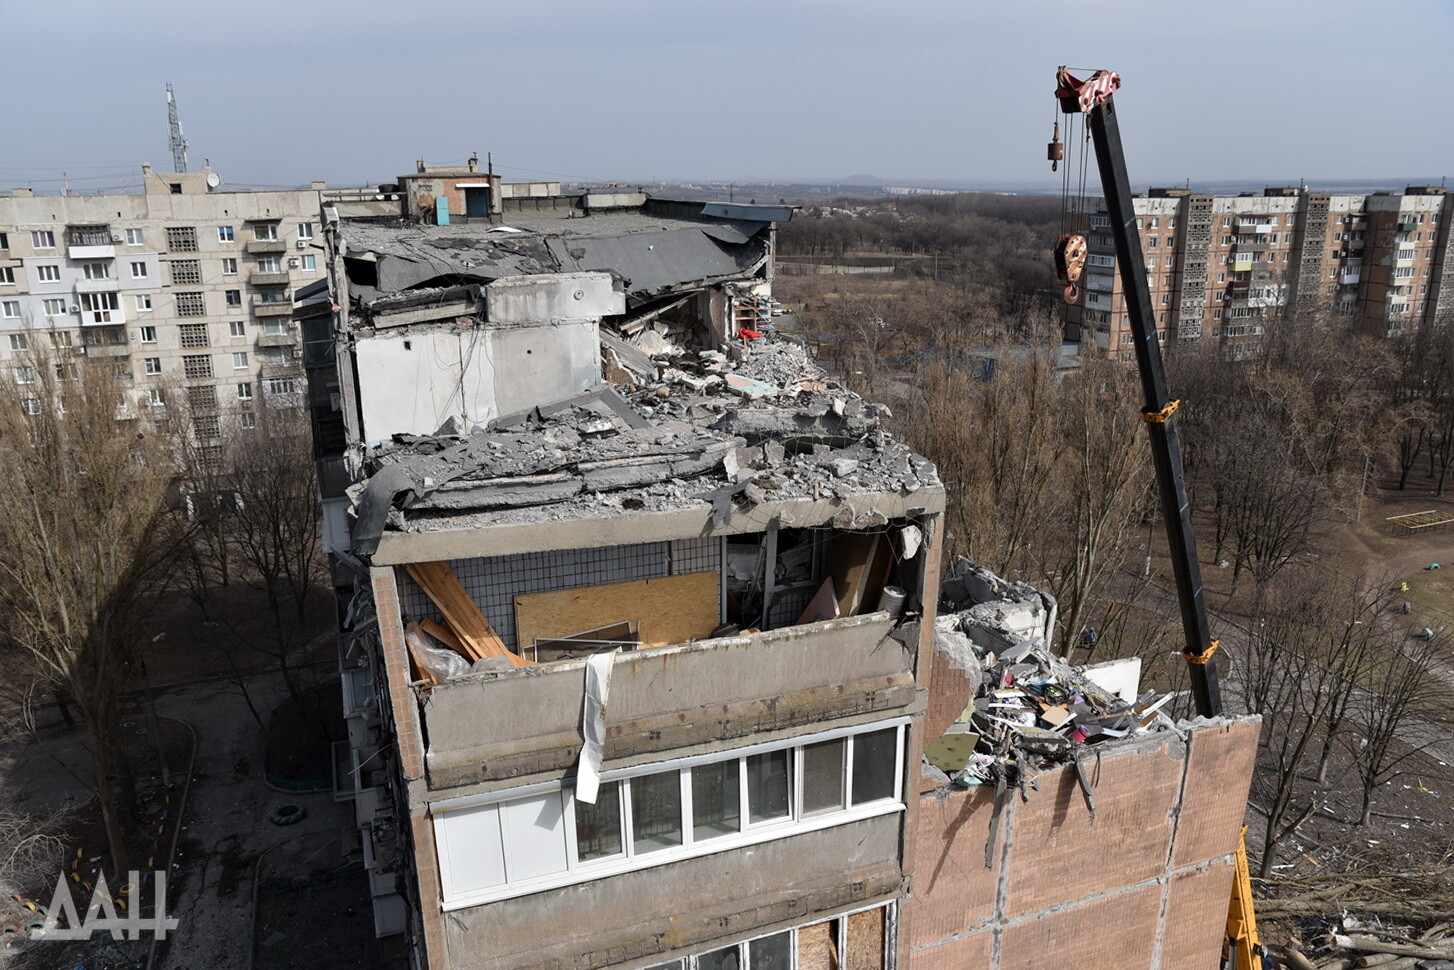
{"x":213,"y":180}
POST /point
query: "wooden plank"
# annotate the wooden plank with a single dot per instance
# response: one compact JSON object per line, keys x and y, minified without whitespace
{"x":444,"y":635}
{"x":477,"y":638}
{"x":673,"y":609}
{"x":861,"y":563}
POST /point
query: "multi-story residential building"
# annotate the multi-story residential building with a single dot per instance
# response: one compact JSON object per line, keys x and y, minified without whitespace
{"x":725,"y":544}
{"x":638,"y":628}
{"x":188,"y":288}
{"x":1223,"y":269}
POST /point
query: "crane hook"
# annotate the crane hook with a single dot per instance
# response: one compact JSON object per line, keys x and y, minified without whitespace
{"x":1055,"y":151}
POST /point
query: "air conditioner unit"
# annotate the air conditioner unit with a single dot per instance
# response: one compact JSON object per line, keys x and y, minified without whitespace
{"x":301,"y":244}
{"x":75,"y":308}
{"x":292,"y":262}
{"x":297,"y":353}
{"x":117,"y":237}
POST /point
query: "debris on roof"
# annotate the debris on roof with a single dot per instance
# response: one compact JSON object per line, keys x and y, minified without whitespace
{"x":1031,"y":710}
{"x":707,"y":429}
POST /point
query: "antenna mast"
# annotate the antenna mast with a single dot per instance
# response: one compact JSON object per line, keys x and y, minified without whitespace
{"x":175,"y":141}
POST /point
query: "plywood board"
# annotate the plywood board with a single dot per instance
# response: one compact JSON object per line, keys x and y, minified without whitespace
{"x":860,"y":567}
{"x":673,"y":609}
{"x":476,"y":637}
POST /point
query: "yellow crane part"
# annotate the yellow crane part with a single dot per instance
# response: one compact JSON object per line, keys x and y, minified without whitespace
{"x":1241,"y":950}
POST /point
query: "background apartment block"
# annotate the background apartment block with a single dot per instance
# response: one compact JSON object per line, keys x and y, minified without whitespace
{"x":187,"y":288}
{"x":1223,"y":269}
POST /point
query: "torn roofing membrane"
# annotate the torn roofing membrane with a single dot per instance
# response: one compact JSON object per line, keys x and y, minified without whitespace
{"x":653,"y":256}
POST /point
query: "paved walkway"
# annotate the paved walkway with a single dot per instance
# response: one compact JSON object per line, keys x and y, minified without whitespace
{"x":227,"y":824}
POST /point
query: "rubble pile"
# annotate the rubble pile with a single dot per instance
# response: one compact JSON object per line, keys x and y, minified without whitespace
{"x":1031,"y":710}
{"x":733,"y":430}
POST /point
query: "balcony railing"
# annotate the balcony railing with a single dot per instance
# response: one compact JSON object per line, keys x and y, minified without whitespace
{"x":267,"y":278}
{"x":266,"y":246}
{"x":277,"y":339}
{"x":278,"y":308}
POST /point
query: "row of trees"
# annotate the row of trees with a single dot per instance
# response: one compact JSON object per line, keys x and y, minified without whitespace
{"x":110,"y":510}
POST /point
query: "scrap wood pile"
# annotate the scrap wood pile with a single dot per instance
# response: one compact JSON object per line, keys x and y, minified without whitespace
{"x":464,"y":642}
{"x":1031,"y":711}
{"x":1396,"y":920}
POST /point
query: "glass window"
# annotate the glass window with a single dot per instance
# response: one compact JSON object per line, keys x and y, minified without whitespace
{"x":225,"y":234}
{"x":54,"y":307}
{"x":45,"y":272}
{"x":237,"y":328}
{"x":229,"y":267}
{"x":656,"y":811}
{"x":138,"y":270}
{"x":143,"y":301}
{"x":771,"y":952}
{"x":729,"y":958}
{"x":234,"y":299}
{"x":18,"y":341}
{"x":239,"y":360}
{"x":153,"y":365}
{"x":244,"y":393}
{"x":598,"y":826}
{"x":823,"y":776}
{"x":148,"y":335}
{"x":266,"y":230}
{"x":133,"y":237}
{"x":309,"y":263}
{"x":875,"y":756}
{"x":767,"y":786}
{"x":305,"y":230}
{"x":716,"y":800}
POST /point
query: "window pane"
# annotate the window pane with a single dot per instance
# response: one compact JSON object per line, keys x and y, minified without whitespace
{"x":767,"y":786}
{"x":598,"y":826}
{"x":727,"y":959}
{"x":873,"y":765}
{"x":534,"y":836}
{"x":656,"y":811}
{"x":771,"y":952}
{"x":716,"y":800}
{"x":823,"y":776}
{"x":674,"y":965}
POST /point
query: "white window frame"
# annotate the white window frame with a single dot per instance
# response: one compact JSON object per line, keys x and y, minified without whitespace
{"x":47,"y":273}
{"x":142,"y":302}
{"x":229,"y":266}
{"x":97,"y":270}
{"x":305,"y":230}
{"x":308,"y":263}
{"x":627,"y":860}
{"x":244,"y":391}
{"x":148,"y":335}
{"x":138,"y":269}
{"x":10,"y":309}
{"x":42,"y":239}
{"x":236,"y":328}
{"x":49,"y":304}
{"x":135,"y":237}
{"x":226,"y":234}
{"x":152,"y":366}
{"x":239,"y":360}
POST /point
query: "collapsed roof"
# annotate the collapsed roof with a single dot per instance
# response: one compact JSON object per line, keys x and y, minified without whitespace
{"x":687,"y":429}
{"x":662,"y":248}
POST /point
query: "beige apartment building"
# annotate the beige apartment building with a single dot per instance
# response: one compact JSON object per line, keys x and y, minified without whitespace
{"x":1223,"y":269}
{"x":188,"y":288}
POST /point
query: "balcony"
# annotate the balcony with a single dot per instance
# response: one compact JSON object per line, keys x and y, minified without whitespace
{"x":266,"y":246}
{"x":261,"y":278}
{"x":277,"y":339}
{"x":1408,"y":226}
{"x":1252,"y":225}
{"x":90,"y":242}
{"x":272,"y":308}
{"x":660,"y":698}
{"x":97,"y":286}
{"x":107,"y":350}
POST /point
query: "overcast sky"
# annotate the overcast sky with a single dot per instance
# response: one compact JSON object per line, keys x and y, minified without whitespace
{"x":278,"y":92}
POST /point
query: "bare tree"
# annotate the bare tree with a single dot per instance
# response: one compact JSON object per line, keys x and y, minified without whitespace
{"x":85,"y":485}
{"x":1312,"y":638}
{"x":1401,"y":688}
{"x":275,"y":525}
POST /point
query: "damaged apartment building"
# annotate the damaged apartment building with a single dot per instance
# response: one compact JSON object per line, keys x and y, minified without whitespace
{"x":623,"y":648}
{"x":638,"y":623}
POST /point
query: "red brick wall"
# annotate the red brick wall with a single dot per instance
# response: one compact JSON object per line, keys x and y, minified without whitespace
{"x":1144,"y":885}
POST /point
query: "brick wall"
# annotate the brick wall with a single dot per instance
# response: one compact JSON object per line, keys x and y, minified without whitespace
{"x":1144,"y":885}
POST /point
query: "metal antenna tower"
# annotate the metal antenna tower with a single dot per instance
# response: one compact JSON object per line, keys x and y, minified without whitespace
{"x":175,"y":141}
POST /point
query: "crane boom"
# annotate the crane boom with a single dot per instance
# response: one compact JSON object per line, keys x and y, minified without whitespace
{"x":1094,"y":98}
{"x":175,"y":141}
{"x":1241,"y":949}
